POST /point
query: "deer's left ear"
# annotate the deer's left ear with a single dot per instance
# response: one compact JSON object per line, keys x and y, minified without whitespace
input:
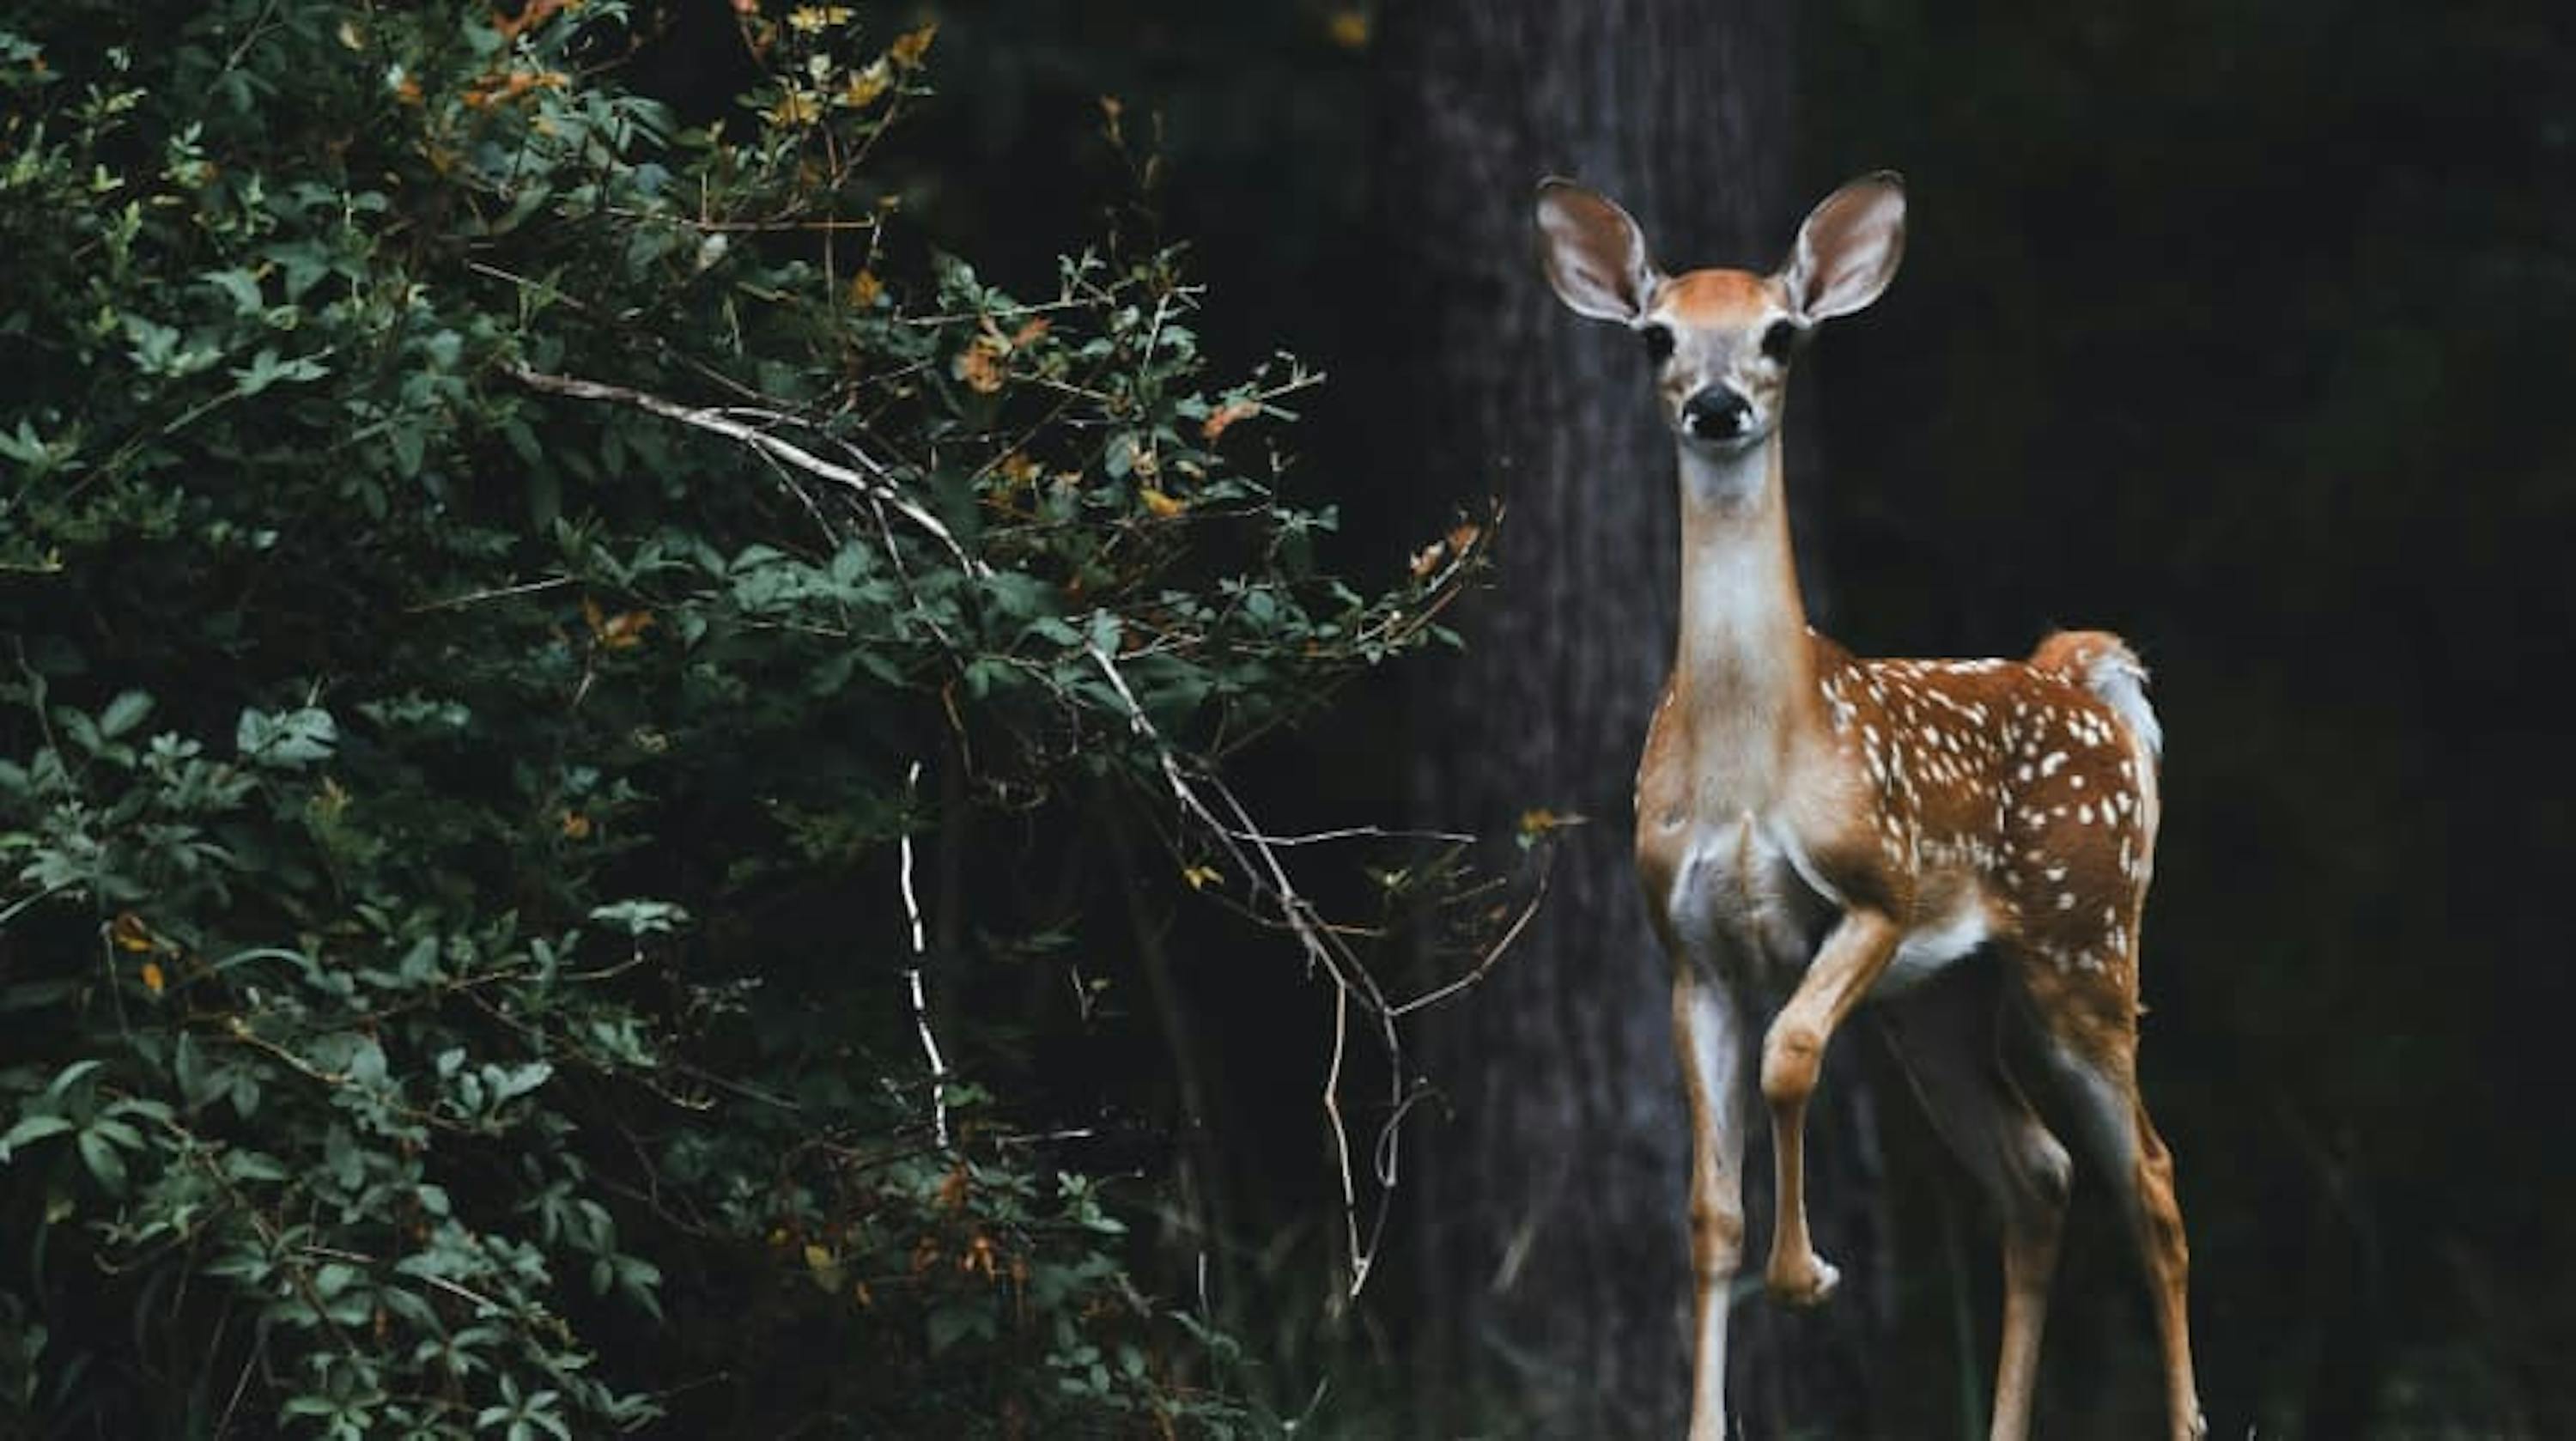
{"x":1849,"y":247}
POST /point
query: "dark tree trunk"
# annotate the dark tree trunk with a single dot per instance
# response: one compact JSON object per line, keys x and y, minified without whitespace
{"x":1547,"y":1213}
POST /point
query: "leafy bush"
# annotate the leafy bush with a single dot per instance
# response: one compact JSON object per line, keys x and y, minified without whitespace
{"x":498,"y":586}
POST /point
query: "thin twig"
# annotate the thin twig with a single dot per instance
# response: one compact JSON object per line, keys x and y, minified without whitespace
{"x":1355,"y":833}
{"x":498,"y":592}
{"x":912,"y":978}
{"x":1485,"y":962}
{"x":1260,"y":868}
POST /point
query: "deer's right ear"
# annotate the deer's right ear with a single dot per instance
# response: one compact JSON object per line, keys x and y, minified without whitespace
{"x":1594,"y":254}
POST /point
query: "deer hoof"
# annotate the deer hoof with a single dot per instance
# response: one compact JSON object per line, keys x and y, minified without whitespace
{"x":1804,"y":1283}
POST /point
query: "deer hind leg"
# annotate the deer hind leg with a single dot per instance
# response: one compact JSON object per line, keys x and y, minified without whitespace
{"x":1711,"y":1035}
{"x":2096,"y":1059}
{"x":1948,"y":1035}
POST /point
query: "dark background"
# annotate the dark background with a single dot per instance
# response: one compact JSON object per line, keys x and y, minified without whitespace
{"x":2243,"y":331}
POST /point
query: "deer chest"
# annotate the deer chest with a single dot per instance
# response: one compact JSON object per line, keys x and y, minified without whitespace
{"x":1734,"y":896}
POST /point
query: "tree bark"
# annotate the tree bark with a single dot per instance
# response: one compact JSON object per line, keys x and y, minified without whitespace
{"x":1547,"y":1209}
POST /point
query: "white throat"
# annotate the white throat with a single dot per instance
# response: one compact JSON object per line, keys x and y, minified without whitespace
{"x":1744,"y":668}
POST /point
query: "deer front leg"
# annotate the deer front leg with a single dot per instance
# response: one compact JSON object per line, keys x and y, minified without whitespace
{"x":1851,"y":960}
{"x":1710,"y":1034}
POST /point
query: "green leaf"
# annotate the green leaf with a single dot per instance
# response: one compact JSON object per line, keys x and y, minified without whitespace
{"x":103,"y":1161}
{"x":410,"y":437}
{"x":31,"y":1128}
{"x":289,"y":740}
{"x":72,"y":1075}
{"x":124,"y":713}
{"x":954,"y":1321}
{"x":241,"y":286}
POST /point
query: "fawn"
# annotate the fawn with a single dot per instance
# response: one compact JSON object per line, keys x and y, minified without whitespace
{"x":1839,"y":829}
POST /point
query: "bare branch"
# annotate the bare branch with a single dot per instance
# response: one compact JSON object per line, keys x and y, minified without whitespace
{"x":912,"y":979}
{"x":875,"y":484}
{"x":1259,"y":865}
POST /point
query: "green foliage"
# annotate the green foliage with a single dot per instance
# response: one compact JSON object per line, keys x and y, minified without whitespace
{"x":484,"y":566}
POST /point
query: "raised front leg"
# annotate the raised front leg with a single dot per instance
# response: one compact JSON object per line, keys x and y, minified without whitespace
{"x":1710,"y":1032}
{"x":1852,"y":958}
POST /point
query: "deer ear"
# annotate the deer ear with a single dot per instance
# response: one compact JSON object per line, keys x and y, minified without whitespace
{"x":1594,"y":254}
{"x":1848,"y":249}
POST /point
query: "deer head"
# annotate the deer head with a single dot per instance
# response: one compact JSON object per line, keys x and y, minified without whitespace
{"x":1721,"y":341}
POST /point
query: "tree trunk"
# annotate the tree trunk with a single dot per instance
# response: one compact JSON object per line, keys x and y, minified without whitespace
{"x":1547,"y":1211}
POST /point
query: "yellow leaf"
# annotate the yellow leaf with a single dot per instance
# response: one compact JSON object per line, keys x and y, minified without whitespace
{"x":576,"y":826}
{"x":1201,"y":877}
{"x":152,"y":978}
{"x":1162,"y":506}
{"x":1348,"y":28}
{"x":129,"y":933}
{"x":822,"y":1266}
{"x":813,"y":19}
{"x":1540,"y":821}
{"x":863,"y":87}
{"x":866,"y":289}
{"x":794,"y":110}
{"x":908,"y":49}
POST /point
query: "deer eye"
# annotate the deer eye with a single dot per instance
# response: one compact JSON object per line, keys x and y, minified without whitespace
{"x":1659,"y":342}
{"x":1780,"y":340}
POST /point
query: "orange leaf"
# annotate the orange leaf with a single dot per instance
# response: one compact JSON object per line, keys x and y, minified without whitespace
{"x":153,"y":980}
{"x":1226,"y":415}
{"x":622,"y":631}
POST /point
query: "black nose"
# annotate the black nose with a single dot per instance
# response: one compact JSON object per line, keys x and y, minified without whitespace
{"x":1716,"y":413}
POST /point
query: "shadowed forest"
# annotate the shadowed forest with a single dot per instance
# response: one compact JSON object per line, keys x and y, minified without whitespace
{"x":489,"y":862}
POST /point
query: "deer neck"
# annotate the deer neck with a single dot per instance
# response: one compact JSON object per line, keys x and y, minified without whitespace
{"x":1744,"y":675}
